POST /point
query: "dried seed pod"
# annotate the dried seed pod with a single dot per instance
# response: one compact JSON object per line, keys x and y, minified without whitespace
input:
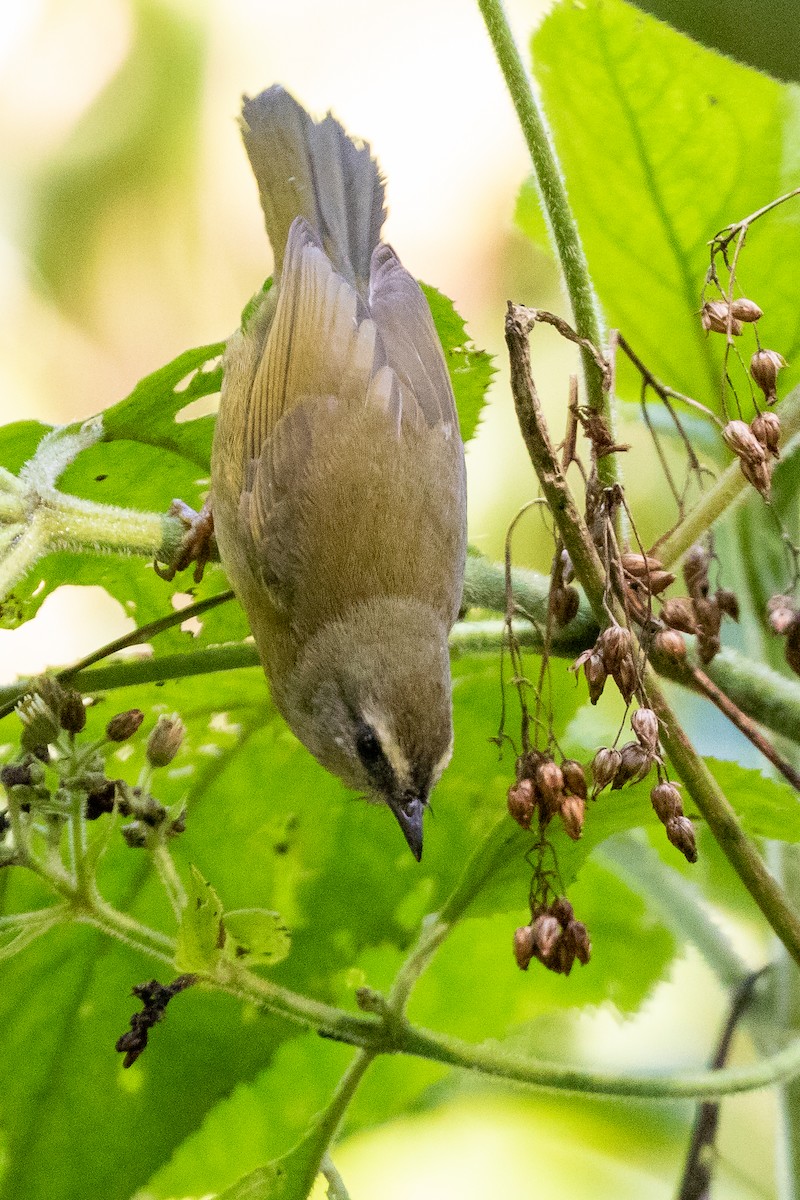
{"x":100,"y":800}
{"x":635,"y":762}
{"x":764,"y":367}
{"x":574,"y":777}
{"x":640,"y":565}
{"x":666,"y":800}
{"x":746,"y":310}
{"x":577,"y":937}
{"x":73,"y":714}
{"x":660,"y":581}
{"x":759,"y":474}
{"x":670,"y":643}
{"x":546,"y":931}
{"x":626,"y":679}
{"x":605,"y":765}
{"x":124,"y":725}
{"x":567,"y":570}
{"x":550,"y":785}
{"x":573,"y":811}
{"x":562,"y":910}
{"x":523,"y":946}
{"x":680,"y":832}
{"x":741,"y":439}
{"x":613,"y":645}
{"x":522,"y":802}
{"x":728,"y":603}
{"x":165,"y":740}
{"x":781,"y":614}
{"x":596,"y":675}
{"x":563,"y":957}
{"x":566,"y":603}
{"x":791,"y":650}
{"x":678,"y":613}
{"x":644,"y":723}
{"x":767,"y":428}
{"x":715,"y":315}
{"x":695,"y":570}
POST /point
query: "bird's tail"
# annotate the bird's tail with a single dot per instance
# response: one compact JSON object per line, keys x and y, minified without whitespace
{"x":314,"y":170}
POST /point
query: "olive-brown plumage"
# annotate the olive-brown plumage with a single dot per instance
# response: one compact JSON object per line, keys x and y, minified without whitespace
{"x":338,"y":472}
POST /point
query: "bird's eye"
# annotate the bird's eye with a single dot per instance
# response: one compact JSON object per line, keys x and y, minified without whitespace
{"x":368,"y":747}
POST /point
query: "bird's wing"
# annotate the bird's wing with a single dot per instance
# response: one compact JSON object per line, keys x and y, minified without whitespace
{"x":409,"y":338}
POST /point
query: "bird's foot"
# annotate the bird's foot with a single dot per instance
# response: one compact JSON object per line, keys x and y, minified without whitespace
{"x":197,"y":545}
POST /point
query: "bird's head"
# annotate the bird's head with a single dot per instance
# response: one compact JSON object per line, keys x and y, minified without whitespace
{"x":375,"y":705}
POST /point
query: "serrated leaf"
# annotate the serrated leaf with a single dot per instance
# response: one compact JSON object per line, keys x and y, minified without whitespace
{"x":767,"y":807}
{"x":470,"y":370}
{"x":256,"y":936}
{"x":652,"y":131}
{"x":201,"y":934}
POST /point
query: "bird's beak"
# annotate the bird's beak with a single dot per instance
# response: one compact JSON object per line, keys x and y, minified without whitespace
{"x":409,"y":811}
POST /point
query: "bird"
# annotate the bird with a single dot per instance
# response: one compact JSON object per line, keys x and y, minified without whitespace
{"x":337,"y":478}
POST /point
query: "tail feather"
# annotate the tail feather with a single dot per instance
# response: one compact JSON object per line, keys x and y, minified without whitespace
{"x":314,"y":170}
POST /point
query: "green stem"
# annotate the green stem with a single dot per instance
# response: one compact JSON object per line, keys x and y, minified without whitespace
{"x":549,"y":177}
{"x":730,"y":489}
{"x":170,"y":879}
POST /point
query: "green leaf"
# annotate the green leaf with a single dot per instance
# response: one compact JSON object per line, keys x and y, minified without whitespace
{"x":470,"y":370}
{"x":767,"y":808}
{"x":201,"y":933}
{"x":663,"y":143}
{"x":256,"y":936}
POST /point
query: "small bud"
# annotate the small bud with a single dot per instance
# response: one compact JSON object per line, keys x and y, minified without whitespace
{"x":40,"y":723}
{"x":550,"y":784}
{"x":746,"y":310}
{"x":678,"y":613}
{"x":522,"y":802}
{"x":178,"y":825}
{"x":573,"y":811}
{"x":644,"y":723}
{"x":574,"y":777}
{"x":596,"y":675}
{"x":566,"y":603}
{"x":613,"y":645}
{"x":577,"y":937}
{"x":670,"y":643}
{"x":714,"y":318}
{"x":562,"y":910}
{"x":781,"y":614}
{"x":135,"y":835}
{"x":728,"y":603}
{"x":680,"y":832}
{"x":546,"y":931}
{"x":605,"y":765}
{"x":523,"y":946}
{"x":666,"y":800}
{"x":100,"y":800}
{"x":635,"y":762}
{"x":124,"y":725}
{"x":165,"y":740}
{"x":17,"y":775}
{"x":741,"y":439}
{"x":767,"y":428}
{"x":73,"y":713}
{"x":764,"y":367}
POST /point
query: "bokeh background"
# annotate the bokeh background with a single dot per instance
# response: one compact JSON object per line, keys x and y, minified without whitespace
{"x":130,"y":230}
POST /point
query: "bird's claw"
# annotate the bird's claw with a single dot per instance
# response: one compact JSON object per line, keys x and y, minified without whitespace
{"x":197,"y":545}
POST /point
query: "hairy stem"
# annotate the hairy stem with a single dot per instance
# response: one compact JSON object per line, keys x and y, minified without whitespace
{"x":558,"y":213}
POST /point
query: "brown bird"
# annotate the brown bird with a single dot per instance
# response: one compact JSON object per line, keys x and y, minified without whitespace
{"x":338,"y":484}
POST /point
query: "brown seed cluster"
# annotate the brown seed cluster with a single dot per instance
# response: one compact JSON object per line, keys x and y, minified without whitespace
{"x":547,"y":789}
{"x":700,"y":613}
{"x":666,"y":800}
{"x":717,"y":316}
{"x":764,"y":367}
{"x":611,"y":655}
{"x":554,"y":937}
{"x":756,"y":446}
{"x":632,"y":762}
{"x":784,"y":619}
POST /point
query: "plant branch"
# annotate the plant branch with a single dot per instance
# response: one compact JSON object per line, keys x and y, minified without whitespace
{"x":700,"y":784}
{"x":558,"y":213}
